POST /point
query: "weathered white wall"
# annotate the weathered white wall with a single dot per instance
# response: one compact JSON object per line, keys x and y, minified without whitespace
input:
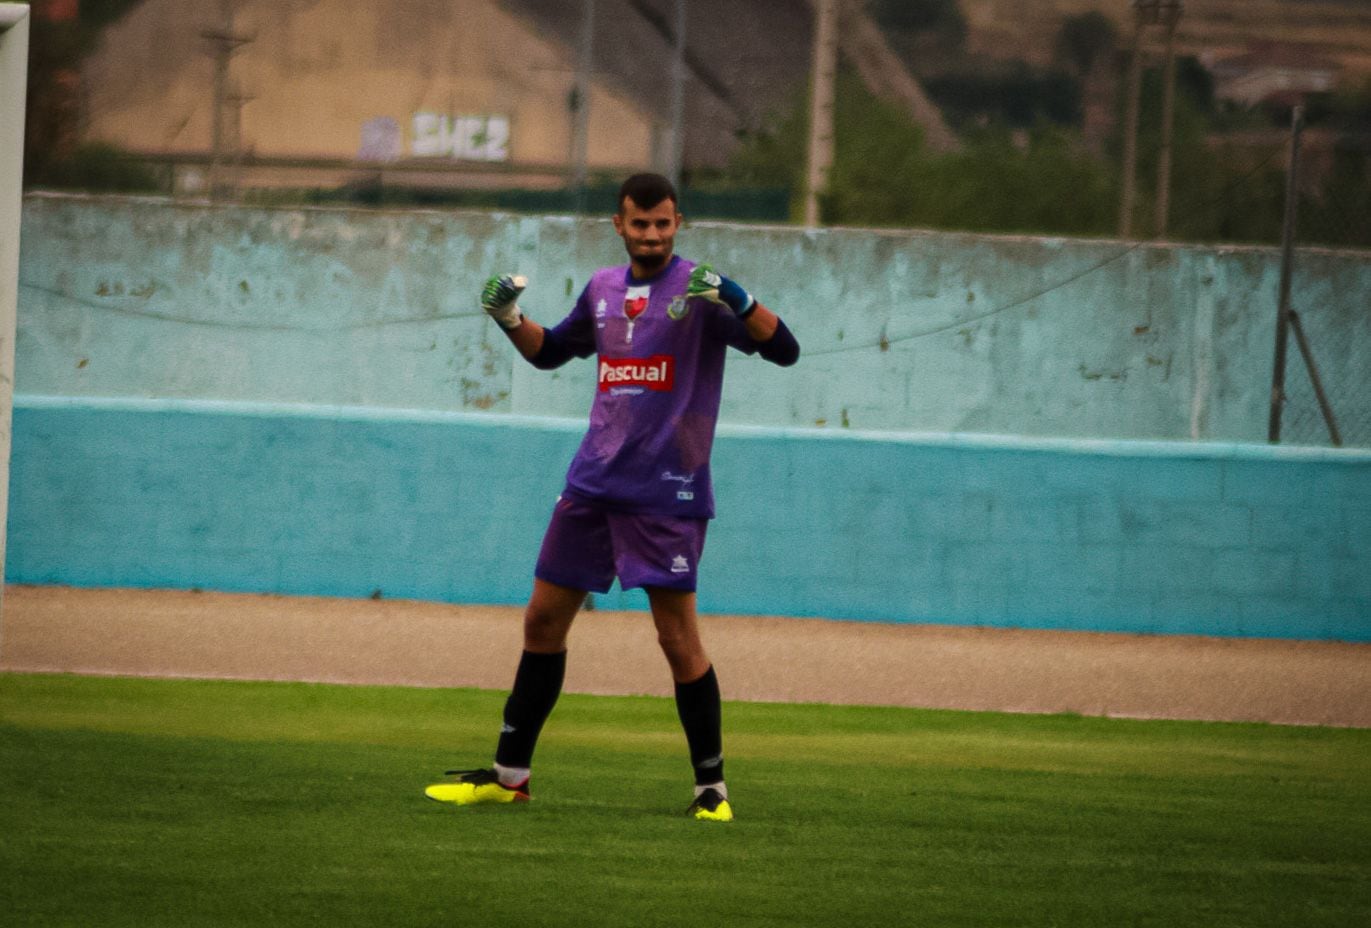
{"x":904,"y":331}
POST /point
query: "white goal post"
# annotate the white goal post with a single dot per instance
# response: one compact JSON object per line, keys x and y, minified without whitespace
{"x":14,"y":53}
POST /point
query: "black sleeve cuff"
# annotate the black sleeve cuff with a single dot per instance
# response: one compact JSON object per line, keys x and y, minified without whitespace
{"x":781,"y":348}
{"x":553,"y":353}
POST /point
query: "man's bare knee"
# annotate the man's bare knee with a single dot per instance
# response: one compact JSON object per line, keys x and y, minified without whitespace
{"x":673,"y":643}
{"x":544,"y":631}
{"x":548,"y":617}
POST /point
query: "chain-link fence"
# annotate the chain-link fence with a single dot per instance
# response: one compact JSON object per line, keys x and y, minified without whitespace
{"x":1323,"y":394}
{"x":1338,"y":410}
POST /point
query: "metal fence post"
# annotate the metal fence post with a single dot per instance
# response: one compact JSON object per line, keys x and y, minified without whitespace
{"x":1287,"y":267}
{"x":1171,"y":15}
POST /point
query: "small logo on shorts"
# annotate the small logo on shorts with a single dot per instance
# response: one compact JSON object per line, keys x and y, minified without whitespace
{"x":679,"y":565}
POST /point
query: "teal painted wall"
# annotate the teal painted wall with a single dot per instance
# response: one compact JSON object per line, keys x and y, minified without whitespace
{"x":1103,"y":535}
{"x":902,"y":331}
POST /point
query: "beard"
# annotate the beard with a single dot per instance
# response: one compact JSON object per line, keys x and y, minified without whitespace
{"x":652,"y":262}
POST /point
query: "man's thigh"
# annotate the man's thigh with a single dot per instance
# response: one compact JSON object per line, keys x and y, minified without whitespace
{"x":657,"y":551}
{"x":578,"y":550}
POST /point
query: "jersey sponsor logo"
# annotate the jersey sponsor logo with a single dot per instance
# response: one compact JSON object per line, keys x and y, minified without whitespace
{"x":656,"y":373}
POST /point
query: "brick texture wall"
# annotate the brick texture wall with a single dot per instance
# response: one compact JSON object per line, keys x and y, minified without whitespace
{"x":1100,"y":535}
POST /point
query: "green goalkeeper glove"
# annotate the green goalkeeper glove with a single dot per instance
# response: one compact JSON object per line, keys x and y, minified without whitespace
{"x":707,"y":283}
{"x":499,"y":298}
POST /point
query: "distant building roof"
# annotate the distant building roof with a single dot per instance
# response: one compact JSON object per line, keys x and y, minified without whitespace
{"x":1273,"y":72}
{"x":1274,"y":56}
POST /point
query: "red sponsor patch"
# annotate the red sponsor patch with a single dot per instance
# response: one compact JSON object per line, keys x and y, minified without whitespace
{"x":634,"y":306}
{"x":655,"y":373}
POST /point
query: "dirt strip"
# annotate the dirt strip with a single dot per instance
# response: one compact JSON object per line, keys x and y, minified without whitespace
{"x":238,"y":636}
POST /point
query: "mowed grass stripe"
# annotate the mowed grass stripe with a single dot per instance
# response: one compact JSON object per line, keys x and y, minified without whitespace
{"x":148,"y":802}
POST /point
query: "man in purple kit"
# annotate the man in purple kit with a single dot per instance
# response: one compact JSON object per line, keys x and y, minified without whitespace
{"x":638,"y":495}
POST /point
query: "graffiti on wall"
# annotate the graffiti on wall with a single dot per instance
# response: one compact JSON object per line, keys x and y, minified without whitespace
{"x":380,"y":140}
{"x":464,"y":138}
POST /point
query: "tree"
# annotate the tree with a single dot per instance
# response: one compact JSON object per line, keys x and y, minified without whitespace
{"x":883,"y":175}
{"x":943,"y":16}
{"x":928,"y":35}
{"x":1085,"y":41}
{"x":56,"y":49}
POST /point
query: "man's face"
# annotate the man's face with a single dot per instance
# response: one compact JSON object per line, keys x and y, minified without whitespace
{"x":649,"y":234}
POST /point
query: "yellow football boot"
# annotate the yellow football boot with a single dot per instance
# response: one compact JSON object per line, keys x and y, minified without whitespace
{"x":475,"y":787}
{"x":710,"y":806}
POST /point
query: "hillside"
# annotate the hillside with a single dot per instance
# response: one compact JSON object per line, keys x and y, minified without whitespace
{"x":1339,"y":29}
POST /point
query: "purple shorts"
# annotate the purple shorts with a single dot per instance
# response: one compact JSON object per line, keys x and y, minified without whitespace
{"x":587,"y":546}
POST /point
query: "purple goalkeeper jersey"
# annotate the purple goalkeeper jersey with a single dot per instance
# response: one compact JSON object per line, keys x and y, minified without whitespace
{"x":661,"y":370}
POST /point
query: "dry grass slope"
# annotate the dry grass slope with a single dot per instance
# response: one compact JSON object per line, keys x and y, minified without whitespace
{"x":1341,"y":29}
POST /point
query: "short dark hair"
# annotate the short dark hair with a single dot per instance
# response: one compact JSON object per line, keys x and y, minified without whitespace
{"x":646,"y":190}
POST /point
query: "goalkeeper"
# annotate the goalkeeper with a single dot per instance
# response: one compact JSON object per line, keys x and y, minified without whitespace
{"x":638,"y":495}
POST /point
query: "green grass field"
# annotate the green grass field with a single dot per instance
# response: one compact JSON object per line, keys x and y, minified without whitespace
{"x":152,"y":802}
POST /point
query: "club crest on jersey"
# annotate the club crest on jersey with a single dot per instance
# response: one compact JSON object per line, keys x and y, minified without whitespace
{"x":657,"y":373}
{"x":678,"y":308}
{"x":635,"y":301}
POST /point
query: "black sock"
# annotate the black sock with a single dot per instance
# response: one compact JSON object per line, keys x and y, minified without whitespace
{"x":537,"y":684}
{"x":698,"y":705}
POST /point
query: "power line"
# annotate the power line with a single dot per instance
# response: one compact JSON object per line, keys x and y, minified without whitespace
{"x":884,"y":343}
{"x":246,"y":326}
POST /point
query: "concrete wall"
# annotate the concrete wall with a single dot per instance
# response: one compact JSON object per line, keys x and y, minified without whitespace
{"x":1123,"y":536}
{"x":309,"y":402}
{"x":903,"y":331}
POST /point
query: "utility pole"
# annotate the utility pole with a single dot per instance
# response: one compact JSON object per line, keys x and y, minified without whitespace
{"x":821,"y":106}
{"x":226,"y":115}
{"x":1130,"y":129}
{"x":1148,"y":13}
{"x":678,"y":79}
{"x":1171,"y":16}
{"x":580,"y":105}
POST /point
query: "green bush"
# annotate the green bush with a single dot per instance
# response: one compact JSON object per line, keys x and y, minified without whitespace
{"x":884,"y":175}
{"x":1043,"y":180}
{"x":98,"y":167}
